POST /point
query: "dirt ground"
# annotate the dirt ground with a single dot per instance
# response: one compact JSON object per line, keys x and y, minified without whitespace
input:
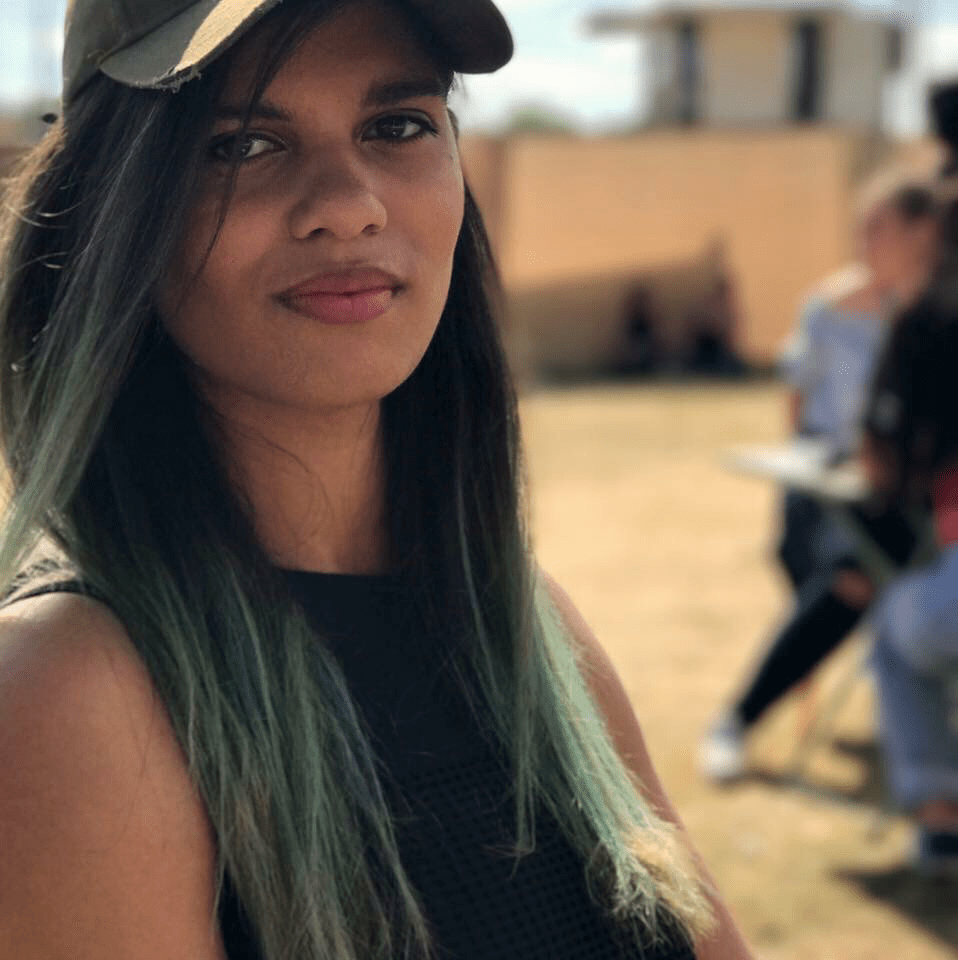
{"x":666,"y":552}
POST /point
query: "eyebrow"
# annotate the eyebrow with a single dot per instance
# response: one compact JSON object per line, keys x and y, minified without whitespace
{"x":379,"y":95}
{"x":389,"y":94}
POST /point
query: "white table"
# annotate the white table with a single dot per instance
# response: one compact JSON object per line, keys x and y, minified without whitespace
{"x":804,"y":465}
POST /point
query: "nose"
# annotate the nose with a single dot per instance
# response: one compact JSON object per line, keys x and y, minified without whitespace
{"x":338,"y":198}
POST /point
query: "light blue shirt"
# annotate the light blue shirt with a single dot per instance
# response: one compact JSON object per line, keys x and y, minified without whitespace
{"x":831,"y":359}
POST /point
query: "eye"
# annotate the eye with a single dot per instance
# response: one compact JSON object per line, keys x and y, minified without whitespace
{"x":399,"y":128}
{"x":241,"y":147}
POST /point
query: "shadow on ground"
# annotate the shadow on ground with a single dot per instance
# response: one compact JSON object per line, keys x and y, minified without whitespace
{"x":804,"y":772}
{"x":929,"y":904}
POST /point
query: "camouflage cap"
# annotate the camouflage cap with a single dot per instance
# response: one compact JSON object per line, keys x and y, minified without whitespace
{"x":160,"y":44}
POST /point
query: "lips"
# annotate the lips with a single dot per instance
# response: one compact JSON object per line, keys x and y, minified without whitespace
{"x":350,"y":296}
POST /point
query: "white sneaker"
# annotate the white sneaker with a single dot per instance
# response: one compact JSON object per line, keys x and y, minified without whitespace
{"x":722,"y":752}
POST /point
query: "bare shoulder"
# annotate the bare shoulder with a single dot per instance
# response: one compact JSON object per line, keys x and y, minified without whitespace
{"x":611,"y":698}
{"x":69,"y":679}
{"x":102,"y":830}
{"x":600,"y":671}
{"x":61,"y":648}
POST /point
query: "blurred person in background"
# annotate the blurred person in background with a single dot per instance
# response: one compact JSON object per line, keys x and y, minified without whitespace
{"x":289,"y":681}
{"x":910,"y":457}
{"x":829,"y":363}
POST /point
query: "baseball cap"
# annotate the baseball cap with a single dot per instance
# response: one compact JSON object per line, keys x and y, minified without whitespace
{"x":160,"y":44}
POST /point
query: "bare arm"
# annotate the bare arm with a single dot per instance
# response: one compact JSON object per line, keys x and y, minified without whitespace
{"x":725,"y":942}
{"x":107,"y":852}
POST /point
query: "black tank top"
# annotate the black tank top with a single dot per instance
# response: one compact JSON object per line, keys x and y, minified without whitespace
{"x":449,"y":790}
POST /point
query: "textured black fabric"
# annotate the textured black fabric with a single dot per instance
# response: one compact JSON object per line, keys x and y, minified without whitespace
{"x":450,"y":793}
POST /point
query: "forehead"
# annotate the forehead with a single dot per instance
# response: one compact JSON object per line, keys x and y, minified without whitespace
{"x":362,"y":41}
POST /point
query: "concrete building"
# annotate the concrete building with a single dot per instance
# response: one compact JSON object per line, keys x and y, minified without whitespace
{"x":581,"y":224}
{"x":739,"y":186}
{"x":747,"y":64}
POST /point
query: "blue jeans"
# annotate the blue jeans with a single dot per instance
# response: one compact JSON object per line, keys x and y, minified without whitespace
{"x":915,"y":660}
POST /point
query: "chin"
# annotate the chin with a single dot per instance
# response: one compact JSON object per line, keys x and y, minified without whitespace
{"x":362,"y":385}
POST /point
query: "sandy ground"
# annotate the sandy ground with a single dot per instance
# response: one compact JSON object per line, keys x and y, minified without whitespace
{"x":666,"y":552}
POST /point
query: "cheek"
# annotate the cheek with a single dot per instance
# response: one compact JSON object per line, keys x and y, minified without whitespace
{"x":915,"y":244}
{"x":878,"y":249}
{"x":439,"y":224}
{"x":189,"y":263}
{"x":207,"y":278}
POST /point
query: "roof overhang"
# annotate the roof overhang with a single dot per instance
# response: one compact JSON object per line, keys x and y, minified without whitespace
{"x":670,"y":14}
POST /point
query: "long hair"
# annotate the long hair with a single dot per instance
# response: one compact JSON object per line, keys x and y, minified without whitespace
{"x":111,"y":456}
{"x":912,"y":419}
{"x":911,"y":412}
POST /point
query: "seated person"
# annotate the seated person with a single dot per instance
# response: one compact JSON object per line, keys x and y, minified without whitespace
{"x":829,"y":364}
{"x":912,"y":452}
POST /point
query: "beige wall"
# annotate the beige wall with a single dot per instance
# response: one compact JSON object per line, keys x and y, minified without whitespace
{"x":924,"y":156}
{"x":856,"y":58}
{"x":747,"y":77}
{"x":485,"y":159}
{"x":582,"y":217}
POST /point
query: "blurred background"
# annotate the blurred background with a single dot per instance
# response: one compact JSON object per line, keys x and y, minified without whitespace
{"x":663,"y":184}
{"x":707,"y":154}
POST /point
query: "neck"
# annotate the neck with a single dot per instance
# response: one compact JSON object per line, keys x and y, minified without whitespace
{"x":315,"y":483}
{"x":945,"y":495}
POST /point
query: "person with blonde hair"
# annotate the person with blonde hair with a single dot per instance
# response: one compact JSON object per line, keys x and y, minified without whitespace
{"x":280,"y":677}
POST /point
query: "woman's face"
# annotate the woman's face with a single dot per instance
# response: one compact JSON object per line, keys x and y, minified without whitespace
{"x":328,"y":275}
{"x":895,"y":248}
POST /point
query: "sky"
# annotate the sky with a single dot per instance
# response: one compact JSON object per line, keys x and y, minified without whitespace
{"x":595,"y":83}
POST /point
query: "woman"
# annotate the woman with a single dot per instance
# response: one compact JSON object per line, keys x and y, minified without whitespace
{"x":912,"y":455}
{"x":306,"y":694}
{"x":829,"y":364}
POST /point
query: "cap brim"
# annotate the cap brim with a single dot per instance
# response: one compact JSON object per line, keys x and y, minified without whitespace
{"x":475,"y":33}
{"x":181,"y":47}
